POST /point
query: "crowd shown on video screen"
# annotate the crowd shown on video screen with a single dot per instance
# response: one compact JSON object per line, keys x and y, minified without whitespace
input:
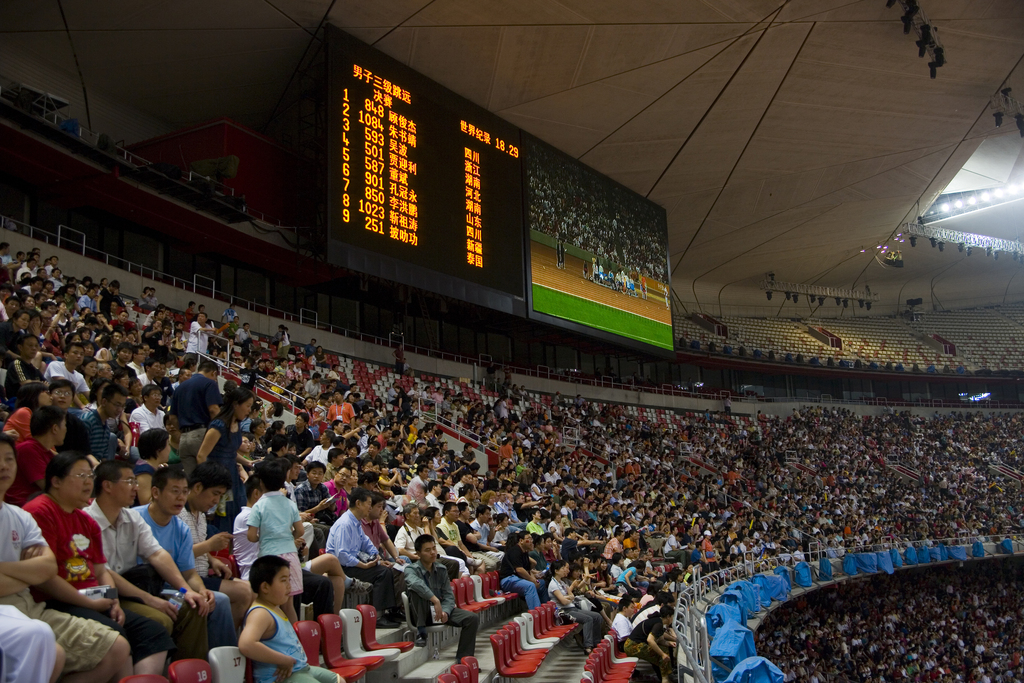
{"x":575,"y":206}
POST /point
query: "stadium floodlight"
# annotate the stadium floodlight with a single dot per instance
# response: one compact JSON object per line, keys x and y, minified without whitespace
{"x":793,"y":289}
{"x":964,"y":240}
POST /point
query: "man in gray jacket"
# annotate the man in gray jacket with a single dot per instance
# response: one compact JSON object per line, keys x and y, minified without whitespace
{"x":432,"y":602}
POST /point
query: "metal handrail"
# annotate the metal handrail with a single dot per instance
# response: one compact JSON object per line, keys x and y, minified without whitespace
{"x":542,"y":372}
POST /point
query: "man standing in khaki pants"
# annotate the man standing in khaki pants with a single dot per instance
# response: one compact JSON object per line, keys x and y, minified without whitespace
{"x":195,"y":402}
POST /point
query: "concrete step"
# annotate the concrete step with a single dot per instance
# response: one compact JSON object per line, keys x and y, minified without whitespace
{"x":418,"y":664}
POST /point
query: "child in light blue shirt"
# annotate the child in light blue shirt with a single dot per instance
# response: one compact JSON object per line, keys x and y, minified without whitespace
{"x":275,"y":523}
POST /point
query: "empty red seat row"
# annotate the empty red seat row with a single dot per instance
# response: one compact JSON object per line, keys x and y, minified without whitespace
{"x":511,"y":659}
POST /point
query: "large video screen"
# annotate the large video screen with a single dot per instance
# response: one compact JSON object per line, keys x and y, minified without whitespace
{"x":598,"y":251}
{"x":425,"y":188}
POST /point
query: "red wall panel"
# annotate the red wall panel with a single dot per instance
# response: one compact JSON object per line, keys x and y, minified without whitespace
{"x":273,"y":179}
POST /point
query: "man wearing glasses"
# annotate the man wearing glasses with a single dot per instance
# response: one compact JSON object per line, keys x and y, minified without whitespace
{"x":140,"y":566}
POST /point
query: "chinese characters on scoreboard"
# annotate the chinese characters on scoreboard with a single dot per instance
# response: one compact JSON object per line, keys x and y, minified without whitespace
{"x":471,"y":167}
{"x":474,"y":227}
{"x":389,"y":204}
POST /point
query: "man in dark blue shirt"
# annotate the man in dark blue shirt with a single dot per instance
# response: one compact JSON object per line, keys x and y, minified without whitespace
{"x":195,"y":403}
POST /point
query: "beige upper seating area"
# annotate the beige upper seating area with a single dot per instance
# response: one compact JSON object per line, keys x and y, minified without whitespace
{"x":984,"y":336}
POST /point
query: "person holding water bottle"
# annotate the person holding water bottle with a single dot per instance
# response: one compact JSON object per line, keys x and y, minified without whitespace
{"x":127,"y":541}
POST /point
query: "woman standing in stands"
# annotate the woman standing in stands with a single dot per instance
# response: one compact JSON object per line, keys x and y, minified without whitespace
{"x":221,"y":444}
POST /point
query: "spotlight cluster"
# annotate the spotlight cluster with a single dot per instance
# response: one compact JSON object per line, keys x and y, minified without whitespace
{"x":1006,"y":105}
{"x":927,"y":39}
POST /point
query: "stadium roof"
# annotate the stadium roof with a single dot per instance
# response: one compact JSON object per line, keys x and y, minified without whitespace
{"x":781,"y":135}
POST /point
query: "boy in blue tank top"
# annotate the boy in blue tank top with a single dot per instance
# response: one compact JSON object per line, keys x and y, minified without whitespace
{"x":268,"y":638}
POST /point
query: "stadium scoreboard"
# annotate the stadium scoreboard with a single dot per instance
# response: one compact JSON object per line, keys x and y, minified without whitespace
{"x":424,"y":186}
{"x":428,"y":189}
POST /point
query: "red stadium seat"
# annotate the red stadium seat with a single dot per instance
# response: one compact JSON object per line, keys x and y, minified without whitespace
{"x":369,"y":628}
{"x":309,"y":636}
{"x":331,"y":646}
{"x":190,"y":671}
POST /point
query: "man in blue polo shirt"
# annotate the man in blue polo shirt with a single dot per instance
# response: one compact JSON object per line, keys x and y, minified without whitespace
{"x":170,"y":490}
{"x":196,"y":401}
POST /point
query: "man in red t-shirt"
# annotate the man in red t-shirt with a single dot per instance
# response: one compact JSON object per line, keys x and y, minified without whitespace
{"x":76,"y":541}
{"x":48,"y":429}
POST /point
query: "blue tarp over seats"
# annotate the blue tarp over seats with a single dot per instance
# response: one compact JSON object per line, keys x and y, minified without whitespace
{"x":894,"y":556}
{"x":934,"y":554}
{"x":784,"y":573}
{"x":910,"y":555}
{"x":732,"y":644}
{"x":735,"y":599}
{"x":825,"y":569}
{"x":772,"y":586}
{"x":957,"y":552}
{"x":719,"y":615}
{"x":803,"y":574}
{"x":1006,"y":546}
{"x":943,"y":552}
{"x":883,"y":560}
{"x":749,"y":595}
{"x":849,"y":565}
{"x":867,"y":563}
{"x":756,"y":670}
{"x":978,"y":549}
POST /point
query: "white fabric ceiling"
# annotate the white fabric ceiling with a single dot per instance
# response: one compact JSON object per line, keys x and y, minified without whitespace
{"x":782,"y":135}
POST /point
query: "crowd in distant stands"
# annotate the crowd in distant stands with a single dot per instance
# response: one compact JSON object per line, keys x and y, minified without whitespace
{"x":575,"y":206}
{"x":125,"y":463}
{"x":942,"y":624}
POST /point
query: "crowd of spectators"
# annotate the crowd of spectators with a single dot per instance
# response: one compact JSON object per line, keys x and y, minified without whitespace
{"x":125,"y":463}
{"x":572,"y":204}
{"x":941,"y":624}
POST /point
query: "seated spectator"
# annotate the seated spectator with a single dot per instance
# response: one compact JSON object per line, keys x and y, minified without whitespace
{"x":22,"y":369}
{"x":314,"y":500}
{"x":154,"y":452}
{"x":431,"y":601}
{"x":451,"y":537}
{"x":35,"y":453}
{"x":169,"y":494}
{"x":78,"y":544}
{"x":563,"y":593}
{"x":74,"y":354}
{"x":359,"y":557}
{"x":140,"y":567}
{"x":85,"y":650}
{"x":516,"y":570}
{"x":268,"y":639}
{"x":28,"y":649}
{"x":76,"y":436}
{"x":149,"y":415}
{"x":103,"y":443}
{"x":207,"y":485}
{"x":31,"y":395}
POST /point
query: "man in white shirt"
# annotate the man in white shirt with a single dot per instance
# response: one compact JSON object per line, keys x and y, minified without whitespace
{"x":199,"y":335}
{"x":127,"y":540}
{"x":68,"y":369}
{"x":148,"y":415}
{"x":319,"y":452}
